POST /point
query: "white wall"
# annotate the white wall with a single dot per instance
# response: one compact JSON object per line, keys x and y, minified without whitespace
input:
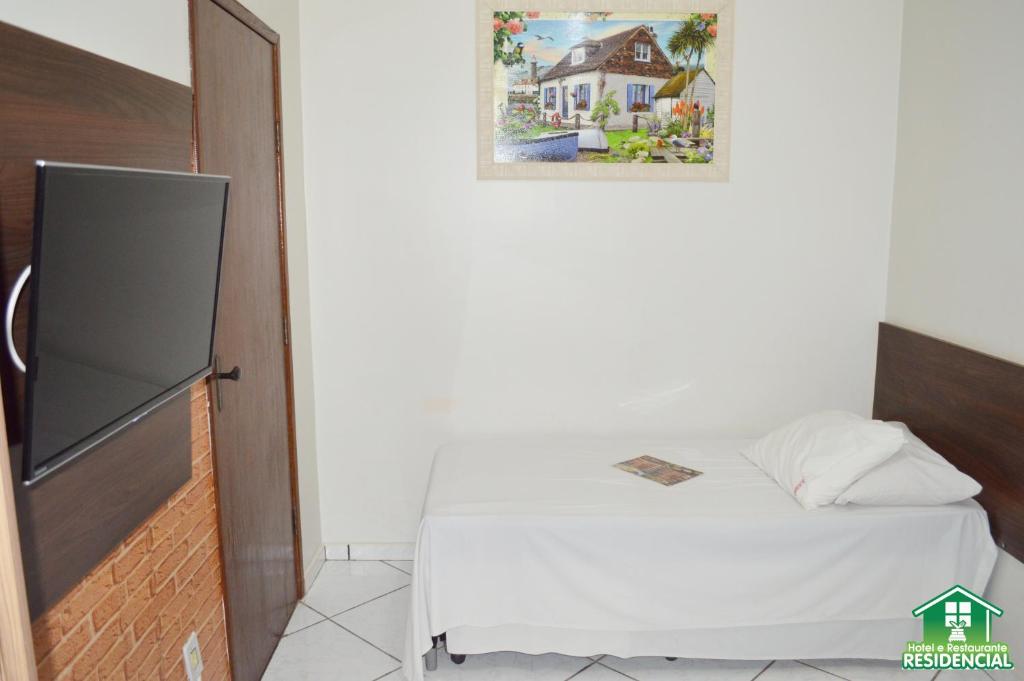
{"x":445,"y":307}
{"x":151,"y":35}
{"x":958,"y":208}
{"x":283,"y":17}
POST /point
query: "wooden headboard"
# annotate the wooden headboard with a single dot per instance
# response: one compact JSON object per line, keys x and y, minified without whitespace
{"x":966,"y":405}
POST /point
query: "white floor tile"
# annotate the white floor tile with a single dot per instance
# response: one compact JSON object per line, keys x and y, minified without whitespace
{"x":302,"y":617}
{"x":971,"y":675}
{"x":869,"y":670}
{"x":596,"y":672}
{"x":508,"y":667}
{"x":403,"y":565}
{"x":788,"y":670}
{"x":326,"y":652}
{"x":658,"y":668}
{"x":346,"y":584}
{"x":381,"y":621}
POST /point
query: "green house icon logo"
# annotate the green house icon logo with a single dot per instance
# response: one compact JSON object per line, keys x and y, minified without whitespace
{"x":957,"y":634}
{"x":957,"y":616}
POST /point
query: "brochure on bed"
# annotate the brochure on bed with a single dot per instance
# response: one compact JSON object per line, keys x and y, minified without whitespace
{"x":544,"y":540}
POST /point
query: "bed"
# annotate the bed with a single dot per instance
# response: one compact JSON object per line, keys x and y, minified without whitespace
{"x":542,"y":545}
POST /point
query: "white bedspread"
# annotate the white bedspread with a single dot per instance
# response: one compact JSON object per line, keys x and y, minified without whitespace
{"x":547,"y":533}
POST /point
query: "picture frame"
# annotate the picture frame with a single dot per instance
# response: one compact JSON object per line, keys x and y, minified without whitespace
{"x":633,"y":104}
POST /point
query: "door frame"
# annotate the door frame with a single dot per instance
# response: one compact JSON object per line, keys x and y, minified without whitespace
{"x":17,"y":656}
{"x":255,"y":24}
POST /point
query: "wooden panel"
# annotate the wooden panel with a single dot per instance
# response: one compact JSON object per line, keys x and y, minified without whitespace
{"x":235,"y":70}
{"x":966,"y":405}
{"x":71,"y":520}
{"x":17,"y":660}
{"x":62,"y":104}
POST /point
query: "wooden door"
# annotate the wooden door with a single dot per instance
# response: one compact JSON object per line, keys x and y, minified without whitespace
{"x":235,"y":75}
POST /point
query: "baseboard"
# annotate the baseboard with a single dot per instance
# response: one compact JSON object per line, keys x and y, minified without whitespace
{"x":312,"y":570}
{"x":370,"y":551}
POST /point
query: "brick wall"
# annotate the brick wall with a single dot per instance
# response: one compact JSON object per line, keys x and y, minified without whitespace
{"x":130,"y":617}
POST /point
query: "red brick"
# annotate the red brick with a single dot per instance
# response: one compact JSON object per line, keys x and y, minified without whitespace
{"x":111,"y":667}
{"x":188,"y":522}
{"x":92,"y":592}
{"x":131,"y":557}
{"x":170,"y":654}
{"x":89,"y":660}
{"x":160,"y":552}
{"x":150,"y":665}
{"x":66,"y":651}
{"x":156,"y":605}
{"x":139,"y":580}
{"x":107,"y":608}
{"x":172,"y":667}
{"x":46,"y":633}
{"x":168,"y":626}
{"x":207,"y":525}
{"x":144,"y":645}
{"x":163,"y":525}
{"x":193,"y":563}
{"x":166,"y":568}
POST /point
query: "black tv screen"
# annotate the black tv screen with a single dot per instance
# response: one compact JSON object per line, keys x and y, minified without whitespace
{"x":124,"y":279}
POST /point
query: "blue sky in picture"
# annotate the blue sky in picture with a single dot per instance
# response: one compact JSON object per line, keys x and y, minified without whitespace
{"x":565,"y":33}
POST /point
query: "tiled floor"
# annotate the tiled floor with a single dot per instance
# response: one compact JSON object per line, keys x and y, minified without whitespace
{"x":351,"y":627}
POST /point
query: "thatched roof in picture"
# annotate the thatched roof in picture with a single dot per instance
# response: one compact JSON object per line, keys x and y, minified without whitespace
{"x":679,"y":82}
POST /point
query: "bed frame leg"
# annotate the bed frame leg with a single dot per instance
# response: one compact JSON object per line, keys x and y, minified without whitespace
{"x":671,"y":659}
{"x":457,"y":659}
{"x":430,"y":659}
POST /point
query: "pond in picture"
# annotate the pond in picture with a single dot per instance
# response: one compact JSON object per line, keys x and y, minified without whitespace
{"x":602,"y":87}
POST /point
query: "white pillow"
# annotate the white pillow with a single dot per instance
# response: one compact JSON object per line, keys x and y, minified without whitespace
{"x":916,"y":475}
{"x":819,"y":456}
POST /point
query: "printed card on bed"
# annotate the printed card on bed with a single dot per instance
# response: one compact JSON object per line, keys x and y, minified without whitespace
{"x":657,"y":470}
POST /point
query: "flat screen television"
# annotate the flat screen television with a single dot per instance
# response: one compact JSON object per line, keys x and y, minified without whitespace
{"x":124,"y":279}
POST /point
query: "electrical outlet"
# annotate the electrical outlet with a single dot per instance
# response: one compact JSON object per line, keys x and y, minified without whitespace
{"x":193,"y":658}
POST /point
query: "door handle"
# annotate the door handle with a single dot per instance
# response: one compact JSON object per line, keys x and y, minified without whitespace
{"x":218,"y":375}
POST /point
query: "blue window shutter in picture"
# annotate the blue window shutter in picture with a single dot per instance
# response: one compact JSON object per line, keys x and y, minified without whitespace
{"x":629,"y":96}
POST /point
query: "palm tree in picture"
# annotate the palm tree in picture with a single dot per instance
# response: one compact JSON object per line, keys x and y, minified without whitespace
{"x":692,"y":40}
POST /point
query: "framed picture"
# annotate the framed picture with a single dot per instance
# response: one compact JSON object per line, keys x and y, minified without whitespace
{"x":604,"y":89}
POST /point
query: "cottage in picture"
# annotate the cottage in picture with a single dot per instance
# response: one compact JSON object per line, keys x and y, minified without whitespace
{"x":695,"y":86}
{"x":629,"y":65}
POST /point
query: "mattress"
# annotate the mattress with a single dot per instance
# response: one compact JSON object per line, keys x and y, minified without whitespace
{"x":546,"y":535}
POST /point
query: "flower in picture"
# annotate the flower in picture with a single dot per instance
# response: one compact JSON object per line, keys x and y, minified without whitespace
{"x":498,"y":24}
{"x":713,"y":30}
{"x":515,"y":27}
{"x":533,"y":15}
